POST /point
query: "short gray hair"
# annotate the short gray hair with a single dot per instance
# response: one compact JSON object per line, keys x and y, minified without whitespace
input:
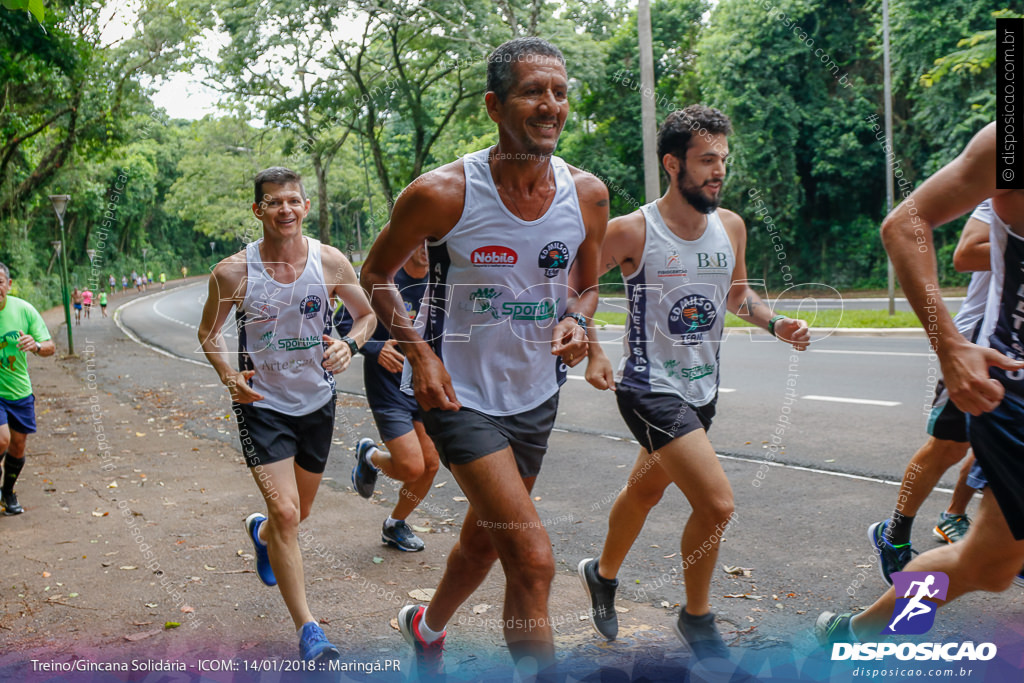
{"x":7,"y":271}
{"x":499,"y":62}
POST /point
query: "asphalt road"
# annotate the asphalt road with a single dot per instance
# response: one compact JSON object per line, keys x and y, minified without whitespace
{"x":859,"y":416}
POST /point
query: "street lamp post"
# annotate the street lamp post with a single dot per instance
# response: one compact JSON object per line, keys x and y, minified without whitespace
{"x":60,"y":203}
{"x":144,"y":269}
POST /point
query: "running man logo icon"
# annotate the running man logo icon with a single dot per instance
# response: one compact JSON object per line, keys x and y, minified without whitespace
{"x":912,"y":615}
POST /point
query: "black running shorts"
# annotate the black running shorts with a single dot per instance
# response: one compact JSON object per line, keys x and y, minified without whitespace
{"x":998,"y":442}
{"x":269,"y":436}
{"x":464,"y":435}
{"x":658,"y":419}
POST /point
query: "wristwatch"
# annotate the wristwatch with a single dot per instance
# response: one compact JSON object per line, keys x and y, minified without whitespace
{"x":351,"y":344}
{"x":39,"y":347}
{"x":771,"y":323}
{"x":580,"y":319}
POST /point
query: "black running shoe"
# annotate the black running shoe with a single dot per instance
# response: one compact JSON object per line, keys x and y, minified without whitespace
{"x":700,"y":635}
{"x":11,"y":504}
{"x":429,"y":656}
{"x":891,"y":558}
{"x":602,"y":599}
{"x":401,"y":537}
{"x":364,"y":477}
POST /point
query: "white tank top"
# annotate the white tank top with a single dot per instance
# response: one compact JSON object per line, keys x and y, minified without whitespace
{"x":677,"y":299}
{"x":1003,"y":326}
{"x":279,"y":334}
{"x":498,"y":285}
{"x":972,"y":310}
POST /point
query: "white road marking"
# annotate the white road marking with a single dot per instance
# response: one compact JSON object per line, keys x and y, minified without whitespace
{"x":858,"y":401}
{"x":873,"y":353}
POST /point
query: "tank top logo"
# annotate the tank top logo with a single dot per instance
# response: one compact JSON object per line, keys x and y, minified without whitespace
{"x":691,"y":317}
{"x":673,"y":265}
{"x":494,"y":256}
{"x":553,"y":257}
{"x":310,"y":306}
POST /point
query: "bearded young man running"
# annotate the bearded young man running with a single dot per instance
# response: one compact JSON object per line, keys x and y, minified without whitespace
{"x":682,"y":260}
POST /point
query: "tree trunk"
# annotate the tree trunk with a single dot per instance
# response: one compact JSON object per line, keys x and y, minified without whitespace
{"x":323,"y":215}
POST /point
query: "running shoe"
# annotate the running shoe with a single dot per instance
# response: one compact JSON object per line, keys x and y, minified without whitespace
{"x":700,"y":636}
{"x":364,"y":476}
{"x":401,"y":536}
{"x":314,"y":646}
{"x":10,"y":504}
{"x":263,"y":569}
{"x":891,"y":558}
{"x":951,"y":529}
{"x":834,"y":628}
{"x":429,"y":656}
{"x":602,"y":599}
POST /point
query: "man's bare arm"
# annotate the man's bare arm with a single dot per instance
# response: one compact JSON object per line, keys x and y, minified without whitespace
{"x":973,"y":250}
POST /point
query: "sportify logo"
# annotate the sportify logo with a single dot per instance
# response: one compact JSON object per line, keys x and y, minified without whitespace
{"x":494,"y":256}
{"x":553,"y":257}
{"x":310,"y":306}
{"x":912,"y":615}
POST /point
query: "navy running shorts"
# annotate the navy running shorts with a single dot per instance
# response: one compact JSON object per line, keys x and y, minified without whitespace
{"x":19,"y":414}
{"x":946,"y":421}
{"x":998,"y":442}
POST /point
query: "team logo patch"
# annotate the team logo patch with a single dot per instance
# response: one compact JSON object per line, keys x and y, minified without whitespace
{"x":553,"y":257}
{"x":310,"y":306}
{"x":912,"y":615}
{"x":691,"y":317}
{"x":494,"y":256}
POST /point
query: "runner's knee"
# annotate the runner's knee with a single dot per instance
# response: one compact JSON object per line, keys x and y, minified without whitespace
{"x":284,"y":513}
{"x":645,"y":497}
{"x":532,"y":569}
{"x":715,"y":510}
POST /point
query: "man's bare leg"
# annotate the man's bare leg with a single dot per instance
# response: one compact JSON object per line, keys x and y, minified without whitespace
{"x":411,"y":459}
{"x":987,"y":559}
{"x":501,"y":524}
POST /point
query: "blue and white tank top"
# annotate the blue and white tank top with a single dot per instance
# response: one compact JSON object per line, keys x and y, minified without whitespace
{"x":280,"y":328}
{"x":677,"y":305}
{"x":498,"y":285}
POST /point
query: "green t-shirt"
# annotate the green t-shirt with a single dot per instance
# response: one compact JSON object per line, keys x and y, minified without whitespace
{"x":17,"y":314}
{"x":103,"y":298}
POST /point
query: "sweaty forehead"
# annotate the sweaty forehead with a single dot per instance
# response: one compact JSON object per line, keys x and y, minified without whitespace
{"x":538,"y":68}
{"x":282,"y":190}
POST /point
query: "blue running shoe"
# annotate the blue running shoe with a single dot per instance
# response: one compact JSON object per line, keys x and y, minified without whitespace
{"x":834,"y":628}
{"x":364,"y":477}
{"x":263,"y":569}
{"x":314,"y":646}
{"x":891,"y":558}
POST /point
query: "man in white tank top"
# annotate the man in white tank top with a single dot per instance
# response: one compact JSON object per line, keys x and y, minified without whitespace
{"x":505,"y":227}
{"x":683,"y":263}
{"x":282,"y":393}
{"x":985,"y":380}
{"x":947,"y":442}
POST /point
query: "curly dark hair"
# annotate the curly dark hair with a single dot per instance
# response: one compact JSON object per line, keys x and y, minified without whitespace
{"x":278,"y":175}
{"x":677,"y":131}
{"x":499,"y":62}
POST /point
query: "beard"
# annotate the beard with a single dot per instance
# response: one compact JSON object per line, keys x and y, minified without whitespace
{"x":692,"y":194}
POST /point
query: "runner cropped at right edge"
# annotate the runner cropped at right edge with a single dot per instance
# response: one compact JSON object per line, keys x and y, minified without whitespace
{"x":683,"y":264}
{"x":985,"y":380}
{"x":947,"y":425}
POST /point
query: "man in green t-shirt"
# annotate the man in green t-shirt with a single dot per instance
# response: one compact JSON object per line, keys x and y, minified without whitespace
{"x":22,"y":331}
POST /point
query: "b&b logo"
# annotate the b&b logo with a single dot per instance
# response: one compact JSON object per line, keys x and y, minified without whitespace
{"x":494,"y":256}
{"x":912,"y":615}
{"x":310,"y":306}
{"x":553,"y":257}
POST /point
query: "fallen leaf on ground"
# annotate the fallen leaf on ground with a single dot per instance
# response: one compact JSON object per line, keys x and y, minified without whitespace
{"x":481,"y":608}
{"x":151,"y":604}
{"x":209,"y":568}
{"x":669,"y":557}
{"x":421,"y":529}
{"x":394,"y":623}
{"x":112,"y":485}
{"x":378,"y":560}
{"x":171,"y":624}
{"x":664,"y":603}
{"x":745,"y":595}
{"x":141,"y":636}
{"x":437,"y":486}
{"x":128,"y":567}
{"x":422,"y":594}
{"x":187,"y":609}
{"x":460,"y":499}
{"x":140,"y":434}
{"x":46,"y":575}
{"x":96,"y":513}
